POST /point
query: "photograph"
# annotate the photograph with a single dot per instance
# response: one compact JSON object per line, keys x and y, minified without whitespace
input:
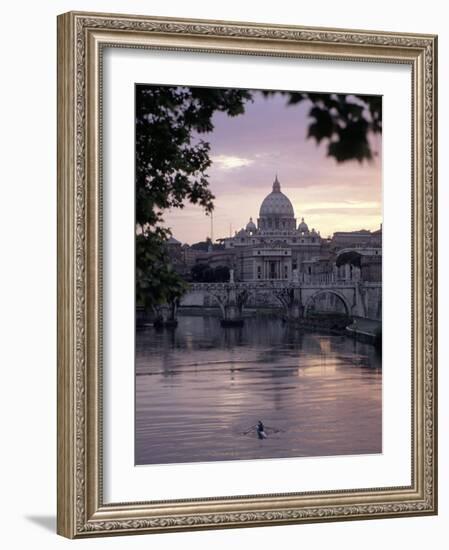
{"x":247,"y":273}
{"x":258,"y":274}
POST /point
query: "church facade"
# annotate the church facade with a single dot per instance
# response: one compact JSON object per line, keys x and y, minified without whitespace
{"x":277,"y":246}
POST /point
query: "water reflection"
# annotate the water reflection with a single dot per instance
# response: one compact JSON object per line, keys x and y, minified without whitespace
{"x":200,"y":389}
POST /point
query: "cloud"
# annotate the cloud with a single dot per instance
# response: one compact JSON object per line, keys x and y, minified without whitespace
{"x":227,"y":162}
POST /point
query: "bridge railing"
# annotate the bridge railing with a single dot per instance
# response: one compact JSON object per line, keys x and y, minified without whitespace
{"x":321,"y":282}
{"x":319,"y":278}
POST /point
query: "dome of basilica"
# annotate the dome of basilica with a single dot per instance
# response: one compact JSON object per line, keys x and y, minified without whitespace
{"x":276,"y":204}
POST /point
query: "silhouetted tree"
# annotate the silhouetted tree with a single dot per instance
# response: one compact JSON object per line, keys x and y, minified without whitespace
{"x":171,"y":169}
{"x":343,"y":121}
{"x":351,"y":257}
{"x":202,"y":273}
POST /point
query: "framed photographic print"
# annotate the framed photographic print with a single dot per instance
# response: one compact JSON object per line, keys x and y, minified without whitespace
{"x":246,"y":274}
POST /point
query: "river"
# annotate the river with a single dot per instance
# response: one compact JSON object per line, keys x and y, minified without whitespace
{"x":200,"y":390}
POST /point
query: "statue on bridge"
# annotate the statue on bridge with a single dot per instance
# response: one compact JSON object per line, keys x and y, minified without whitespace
{"x":231,"y":303}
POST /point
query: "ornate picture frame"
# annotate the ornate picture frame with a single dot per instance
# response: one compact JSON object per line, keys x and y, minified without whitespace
{"x":82,"y":38}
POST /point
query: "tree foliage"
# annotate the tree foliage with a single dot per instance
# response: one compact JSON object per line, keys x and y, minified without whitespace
{"x":202,"y":273}
{"x":344,"y":121}
{"x":171,"y":164}
{"x":156,"y":281}
{"x":351,"y":257}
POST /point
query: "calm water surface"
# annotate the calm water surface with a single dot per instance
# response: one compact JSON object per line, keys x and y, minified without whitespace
{"x":200,"y":389}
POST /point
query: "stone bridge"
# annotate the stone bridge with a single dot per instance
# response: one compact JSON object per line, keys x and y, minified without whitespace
{"x":359,"y":299}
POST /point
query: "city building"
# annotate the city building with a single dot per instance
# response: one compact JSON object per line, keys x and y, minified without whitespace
{"x":356,"y":239}
{"x":279,"y":248}
{"x":277,"y":245}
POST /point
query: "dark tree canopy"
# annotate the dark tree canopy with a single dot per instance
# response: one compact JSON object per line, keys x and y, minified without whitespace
{"x":351,"y":257}
{"x":171,"y":169}
{"x":170,"y":165}
{"x":344,"y":121}
{"x":156,"y":282}
{"x":202,"y":273}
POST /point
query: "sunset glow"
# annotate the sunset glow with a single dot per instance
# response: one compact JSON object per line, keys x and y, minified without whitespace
{"x":270,"y":137}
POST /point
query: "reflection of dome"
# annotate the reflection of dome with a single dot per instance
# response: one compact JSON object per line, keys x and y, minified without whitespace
{"x":303,"y":227}
{"x":276,"y":204}
{"x":251,"y":226}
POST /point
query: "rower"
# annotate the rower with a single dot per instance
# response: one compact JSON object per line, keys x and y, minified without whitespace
{"x":261,"y":434}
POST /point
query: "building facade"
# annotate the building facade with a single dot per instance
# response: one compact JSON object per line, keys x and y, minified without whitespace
{"x":275,"y":247}
{"x":279,"y":248}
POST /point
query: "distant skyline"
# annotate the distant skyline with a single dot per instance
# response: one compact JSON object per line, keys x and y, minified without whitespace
{"x":270,"y":138}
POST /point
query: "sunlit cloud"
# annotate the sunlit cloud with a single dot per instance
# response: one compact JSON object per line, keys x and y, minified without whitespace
{"x":227,"y":162}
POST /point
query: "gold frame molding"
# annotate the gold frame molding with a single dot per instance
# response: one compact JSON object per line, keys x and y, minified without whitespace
{"x":81,"y":38}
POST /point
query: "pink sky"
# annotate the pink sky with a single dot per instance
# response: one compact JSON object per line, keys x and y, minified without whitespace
{"x":248,"y":150}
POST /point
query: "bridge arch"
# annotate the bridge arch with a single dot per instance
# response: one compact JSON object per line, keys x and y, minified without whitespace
{"x":323,"y":291}
{"x":243,"y":295}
